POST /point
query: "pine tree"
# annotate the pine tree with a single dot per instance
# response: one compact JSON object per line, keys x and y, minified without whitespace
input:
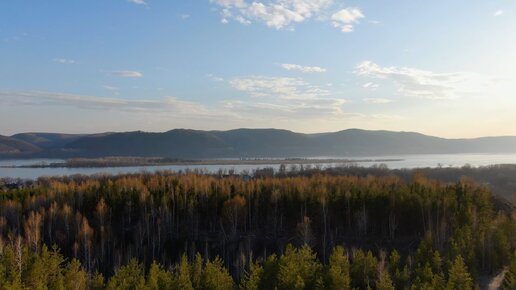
{"x":97,"y":282}
{"x":463,"y":244}
{"x":458,"y":276}
{"x":46,"y":270}
{"x":363,"y":269}
{"x":12,"y":278}
{"x":196,"y":271}
{"x":269,"y":278}
{"x":158,"y":278}
{"x":216,"y":276}
{"x":128,"y":277}
{"x":338,"y":270}
{"x":75,"y":277}
{"x":182,"y":275}
{"x":252,"y":278}
{"x":298,"y":269}
{"x":399,"y":272}
{"x":384,"y":281}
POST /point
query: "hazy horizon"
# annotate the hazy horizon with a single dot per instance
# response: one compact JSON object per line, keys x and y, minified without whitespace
{"x":248,"y":128}
{"x":438,"y":68}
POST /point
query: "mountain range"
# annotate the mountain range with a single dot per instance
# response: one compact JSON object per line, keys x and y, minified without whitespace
{"x":244,"y":143}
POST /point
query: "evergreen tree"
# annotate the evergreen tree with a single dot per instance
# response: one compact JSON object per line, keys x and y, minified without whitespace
{"x":97,"y":282}
{"x":458,"y":276}
{"x":384,"y":281}
{"x":252,"y":278}
{"x":75,"y":277}
{"x":158,"y":278}
{"x":196,"y":271}
{"x":12,"y":278}
{"x":338,"y":270}
{"x":399,"y":272}
{"x":427,"y":273}
{"x":463,"y":244}
{"x":269,"y":279}
{"x":128,"y":277}
{"x":298,"y":269}
{"x":363,"y":269}
{"x":45,"y":271}
{"x":216,"y":276}
{"x":182,"y":275}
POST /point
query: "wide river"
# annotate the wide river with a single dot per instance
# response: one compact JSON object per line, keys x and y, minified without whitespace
{"x":404,"y":161}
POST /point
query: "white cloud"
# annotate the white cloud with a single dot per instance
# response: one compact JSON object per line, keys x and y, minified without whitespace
{"x":283,"y":97}
{"x":110,"y":88}
{"x":278,"y":87}
{"x":303,"y":69}
{"x":377,"y":101}
{"x":426,"y":84}
{"x":498,"y":13}
{"x":262,"y":112}
{"x":294,"y":111}
{"x":370,"y":86}
{"x":128,"y":74}
{"x":230,"y":3}
{"x":64,"y":61}
{"x":138,"y":2}
{"x":215,"y":78}
{"x":346,"y":18}
{"x":170,"y":112}
{"x":39,"y":98}
{"x":282,"y":14}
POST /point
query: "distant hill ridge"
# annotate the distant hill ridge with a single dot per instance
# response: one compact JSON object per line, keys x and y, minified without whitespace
{"x":10,"y":145}
{"x":245,"y":143}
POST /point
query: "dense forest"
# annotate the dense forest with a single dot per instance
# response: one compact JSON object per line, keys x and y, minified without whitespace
{"x":500,"y":178}
{"x":321,"y":230}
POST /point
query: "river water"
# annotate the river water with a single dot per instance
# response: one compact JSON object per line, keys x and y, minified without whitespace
{"x":403,"y":161}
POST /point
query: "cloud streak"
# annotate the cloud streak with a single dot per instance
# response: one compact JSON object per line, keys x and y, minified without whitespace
{"x":64,"y":61}
{"x":498,"y":13}
{"x":138,"y":2}
{"x":285,"y":88}
{"x":40,"y":98}
{"x":127,"y":74}
{"x":303,"y":69}
{"x":377,"y":101}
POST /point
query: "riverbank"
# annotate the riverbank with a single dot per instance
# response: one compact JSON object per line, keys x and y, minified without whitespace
{"x":139,"y":161}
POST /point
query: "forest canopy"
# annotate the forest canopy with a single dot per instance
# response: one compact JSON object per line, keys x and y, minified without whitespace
{"x":194,"y":231}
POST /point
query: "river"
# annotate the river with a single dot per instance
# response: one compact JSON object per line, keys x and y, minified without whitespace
{"x":403,"y":161}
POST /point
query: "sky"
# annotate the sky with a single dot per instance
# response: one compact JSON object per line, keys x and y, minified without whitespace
{"x":443,"y":68}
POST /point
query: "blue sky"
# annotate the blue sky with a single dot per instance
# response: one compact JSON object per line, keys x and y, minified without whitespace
{"x":445,"y":68}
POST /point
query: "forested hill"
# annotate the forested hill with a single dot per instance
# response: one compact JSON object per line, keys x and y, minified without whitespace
{"x":10,"y":145}
{"x":47,"y":140}
{"x":182,"y":143}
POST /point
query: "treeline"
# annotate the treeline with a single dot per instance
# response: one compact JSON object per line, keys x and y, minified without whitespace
{"x":405,"y":233}
{"x":501,"y":178}
{"x":25,"y":268}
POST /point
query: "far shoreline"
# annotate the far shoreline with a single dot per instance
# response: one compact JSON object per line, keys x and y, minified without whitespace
{"x":143,"y":161}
